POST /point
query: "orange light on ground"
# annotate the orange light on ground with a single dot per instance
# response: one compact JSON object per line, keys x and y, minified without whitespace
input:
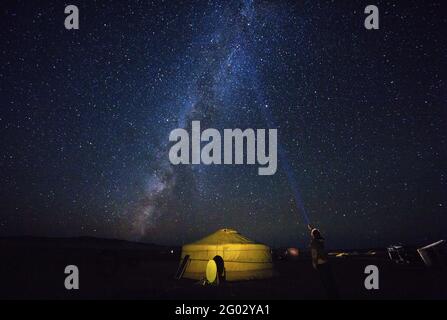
{"x":294,"y":252}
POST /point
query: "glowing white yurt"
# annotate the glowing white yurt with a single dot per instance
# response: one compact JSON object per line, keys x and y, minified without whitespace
{"x":237,"y":257}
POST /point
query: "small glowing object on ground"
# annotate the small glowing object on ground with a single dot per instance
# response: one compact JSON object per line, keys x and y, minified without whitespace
{"x":211,"y":271}
{"x":294,"y":252}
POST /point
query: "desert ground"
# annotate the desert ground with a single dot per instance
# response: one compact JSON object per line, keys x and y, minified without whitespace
{"x":33,"y":268}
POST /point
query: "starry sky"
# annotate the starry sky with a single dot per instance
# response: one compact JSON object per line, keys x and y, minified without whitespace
{"x":361,"y":118}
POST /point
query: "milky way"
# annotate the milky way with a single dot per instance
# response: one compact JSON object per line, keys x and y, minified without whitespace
{"x":86,"y":116}
{"x":225,"y":75}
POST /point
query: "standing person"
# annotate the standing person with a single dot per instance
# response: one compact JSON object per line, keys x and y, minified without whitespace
{"x":320,"y":263}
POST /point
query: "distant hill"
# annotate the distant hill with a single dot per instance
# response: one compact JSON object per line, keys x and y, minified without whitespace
{"x":78,"y":243}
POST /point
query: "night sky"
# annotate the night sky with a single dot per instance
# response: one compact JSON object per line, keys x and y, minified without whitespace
{"x":361,"y":118}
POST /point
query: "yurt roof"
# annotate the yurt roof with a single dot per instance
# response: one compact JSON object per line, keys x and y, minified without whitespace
{"x":223,"y":236}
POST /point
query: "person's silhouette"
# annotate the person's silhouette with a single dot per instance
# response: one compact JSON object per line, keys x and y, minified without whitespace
{"x":320,"y":262}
